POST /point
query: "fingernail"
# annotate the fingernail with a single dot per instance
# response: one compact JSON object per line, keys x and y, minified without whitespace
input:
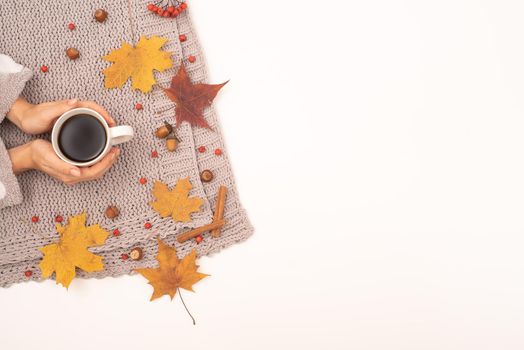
{"x":75,"y":172}
{"x":72,"y":102}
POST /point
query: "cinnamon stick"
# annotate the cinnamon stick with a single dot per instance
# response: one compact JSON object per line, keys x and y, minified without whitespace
{"x":219,"y":210}
{"x":199,"y":230}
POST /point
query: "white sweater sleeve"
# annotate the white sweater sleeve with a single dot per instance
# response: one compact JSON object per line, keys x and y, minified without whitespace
{"x":12,"y":81}
{"x":8,"y":66}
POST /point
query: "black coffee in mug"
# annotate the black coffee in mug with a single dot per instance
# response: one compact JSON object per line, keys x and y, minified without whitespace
{"x":82,"y":138}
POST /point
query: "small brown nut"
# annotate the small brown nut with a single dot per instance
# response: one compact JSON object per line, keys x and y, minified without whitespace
{"x":112,"y":212}
{"x":171,"y":143}
{"x":72,"y":53}
{"x":206,"y":176}
{"x":163,"y":131}
{"x":136,"y":253}
{"x":100,"y":15}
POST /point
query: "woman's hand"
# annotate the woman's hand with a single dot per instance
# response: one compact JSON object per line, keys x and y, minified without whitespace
{"x":39,"y":155}
{"x":37,"y":119}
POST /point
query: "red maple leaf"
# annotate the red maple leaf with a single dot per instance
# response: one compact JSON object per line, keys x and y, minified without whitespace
{"x":191,"y":99}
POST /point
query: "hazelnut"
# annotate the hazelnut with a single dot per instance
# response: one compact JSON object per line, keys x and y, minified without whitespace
{"x":100,"y":15}
{"x":206,"y":176}
{"x":163,"y":131}
{"x":112,"y":212}
{"x":172,"y":143}
{"x":136,"y":253}
{"x":72,"y":53}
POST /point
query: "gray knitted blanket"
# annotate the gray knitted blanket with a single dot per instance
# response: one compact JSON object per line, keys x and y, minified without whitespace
{"x":41,"y":39}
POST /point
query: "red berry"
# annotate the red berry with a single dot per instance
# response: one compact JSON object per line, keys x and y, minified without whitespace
{"x":147,"y":225}
{"x":154,"y":9}
{"x":116,"y":232}
{"x":165,"y":14}
{"x":28,"y":273}
{"x":171,"y":9}
{"x":124,"y":256}
{"x":35,"y":219}
{"x":150,"y":7}
{"x":182,"y":37}
{"x":44,"y":69}
{"x":143,"y":180}
{"x":202,"y":149}
{"x":218,"y":152}
{"x":199,"y":239}
{"x":176,"y":13}
{"x":154,"y":154}
{"x":160,"y":12}
{"x":139,"y":106}
{"x":59,"y":218}
{"x":71,"y":26}
{"x":191,"y":59}
{"x":183,"y":6}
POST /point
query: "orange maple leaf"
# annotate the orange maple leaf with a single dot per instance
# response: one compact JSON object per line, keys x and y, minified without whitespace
{"x":175,"y":203}
{"x":172,"y":273}
{"x":71,"y":252}
{"x":137,"y":63}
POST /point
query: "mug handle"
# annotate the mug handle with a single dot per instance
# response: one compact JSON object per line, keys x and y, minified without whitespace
{"x":120,"y":134}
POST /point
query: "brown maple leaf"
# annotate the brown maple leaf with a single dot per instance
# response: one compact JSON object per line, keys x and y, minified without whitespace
{"x":172,"y":273}
{"x":191,"y":99}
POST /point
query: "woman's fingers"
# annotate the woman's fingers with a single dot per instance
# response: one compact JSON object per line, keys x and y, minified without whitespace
{"x":99,"y":169}
{"x":56,"y":109}
{"x":46,"y":160}
{"x":95,"y":106}
{"x":40,"y":118}
{"x":61,"y":170}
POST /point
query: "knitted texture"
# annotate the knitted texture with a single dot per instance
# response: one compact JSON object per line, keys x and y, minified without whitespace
{"x":42,"y":39}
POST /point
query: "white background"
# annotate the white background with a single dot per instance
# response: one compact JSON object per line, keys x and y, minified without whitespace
{"x":378,"y":149}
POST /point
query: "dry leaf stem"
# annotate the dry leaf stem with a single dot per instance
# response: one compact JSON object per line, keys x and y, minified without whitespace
{"x":187,"y":310}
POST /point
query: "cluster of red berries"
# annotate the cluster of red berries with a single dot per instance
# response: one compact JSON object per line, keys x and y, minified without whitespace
{"x":168,"y":10}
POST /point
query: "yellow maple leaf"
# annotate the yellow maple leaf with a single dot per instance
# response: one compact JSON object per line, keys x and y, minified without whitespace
{"x":71,"y":250}
{"x":172,"y":273}
{"x":137,"y":63}
{"x":175,"y":203}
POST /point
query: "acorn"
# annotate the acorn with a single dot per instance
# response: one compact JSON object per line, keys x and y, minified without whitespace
{"x":72,"y":53}
{"x":163,"y":131}
{"x":112,"y":212}
{"x":206,"y":176}
{"x":172,"y":143}
{"x":136,"y":253}
{"x":100,"y":15}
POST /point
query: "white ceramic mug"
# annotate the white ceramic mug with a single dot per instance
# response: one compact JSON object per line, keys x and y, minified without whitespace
{"x":114,"y":135}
